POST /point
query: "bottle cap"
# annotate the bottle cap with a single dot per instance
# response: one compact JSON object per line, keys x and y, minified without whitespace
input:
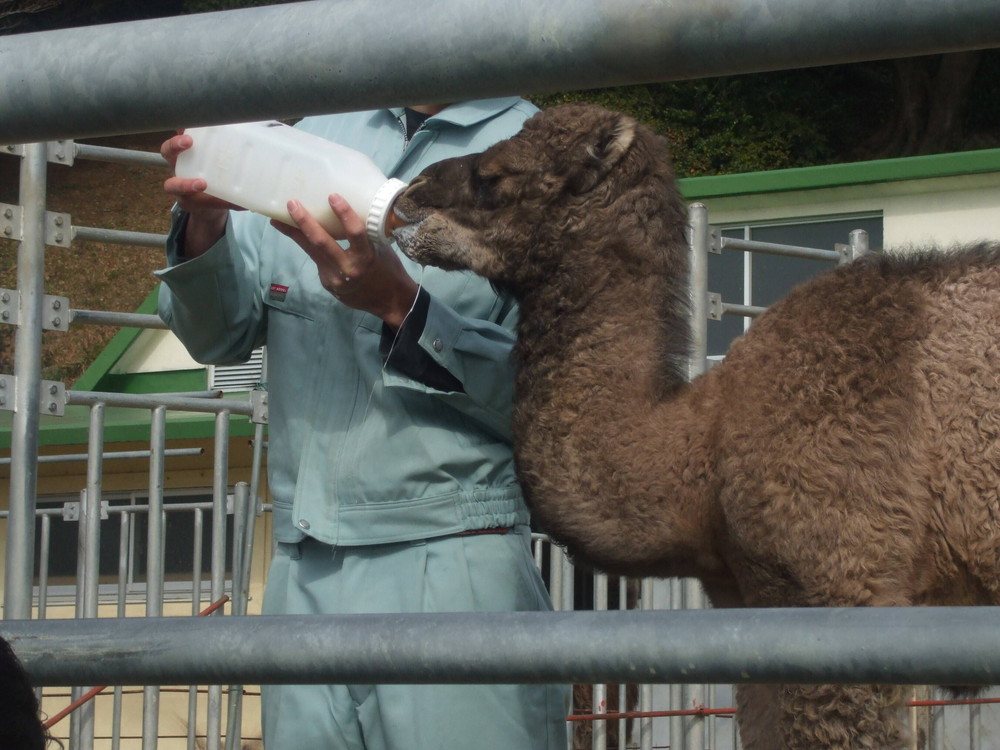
{"x":381,"y":206}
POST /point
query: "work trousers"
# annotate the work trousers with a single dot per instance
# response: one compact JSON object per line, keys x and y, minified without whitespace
{"x":460,"y":573}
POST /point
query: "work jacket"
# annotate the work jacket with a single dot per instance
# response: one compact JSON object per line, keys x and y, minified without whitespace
{"x":358,"y":451}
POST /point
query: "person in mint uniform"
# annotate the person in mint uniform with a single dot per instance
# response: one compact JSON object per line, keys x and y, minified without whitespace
{"x":389,"y":448}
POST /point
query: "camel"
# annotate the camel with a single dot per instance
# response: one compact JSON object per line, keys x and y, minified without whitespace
{"x":845,"y":453}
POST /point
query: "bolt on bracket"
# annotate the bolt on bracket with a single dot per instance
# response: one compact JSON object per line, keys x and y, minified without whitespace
{"x":10,"y":222}
{"x":52,"y":401}
{"x":56,"y":312}
{"x":56,"y":152}
{"x":715,"y":309}
{"x":258,"y":400}
{"x":59,"y":231}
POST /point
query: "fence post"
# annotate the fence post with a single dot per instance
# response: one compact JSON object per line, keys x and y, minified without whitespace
{"x":27,"y":397}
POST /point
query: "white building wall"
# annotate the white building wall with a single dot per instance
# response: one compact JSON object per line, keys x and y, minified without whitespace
{"x":941,"y":211}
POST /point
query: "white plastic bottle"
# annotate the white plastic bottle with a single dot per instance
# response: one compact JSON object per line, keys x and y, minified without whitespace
{"x":262,"y":165}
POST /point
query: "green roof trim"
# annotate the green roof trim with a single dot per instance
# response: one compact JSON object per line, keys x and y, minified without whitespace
{"x":118,"y":345}
{"x":841,"y":175}
{"x":122,"y":425}
{"x":153,"y":382}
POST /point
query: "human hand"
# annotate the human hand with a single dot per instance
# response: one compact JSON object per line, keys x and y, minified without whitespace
{"x":208,"y":215}
{"x":189,"y":192}
{"x":361,"y":275}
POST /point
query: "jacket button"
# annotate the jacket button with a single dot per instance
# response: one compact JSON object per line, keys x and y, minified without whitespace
{"x":437,"y":344}
{"x":303,"y":524}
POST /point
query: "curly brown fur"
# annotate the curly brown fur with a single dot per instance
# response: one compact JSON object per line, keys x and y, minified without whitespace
{"x":845,"y":453}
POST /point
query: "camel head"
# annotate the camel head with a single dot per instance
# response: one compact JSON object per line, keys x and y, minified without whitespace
{"x":577,"y":177}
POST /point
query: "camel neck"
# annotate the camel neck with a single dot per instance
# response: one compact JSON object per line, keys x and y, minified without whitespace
{"x":596,"y":400}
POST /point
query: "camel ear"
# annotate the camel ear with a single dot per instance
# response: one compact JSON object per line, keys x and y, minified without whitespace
{"x":606,"y":147}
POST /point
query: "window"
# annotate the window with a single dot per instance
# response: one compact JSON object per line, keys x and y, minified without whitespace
{"x":124,"y":542}
{"x":761,"y":280}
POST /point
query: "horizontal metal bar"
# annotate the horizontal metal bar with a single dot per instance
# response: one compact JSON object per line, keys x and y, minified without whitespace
{"x":119,"y":236}
{"x":151,"y":401}
{"x":925,"y":645}
{"x":109,"y":455}
{"x":772,"y":248}
{"x":117,"y":155}
{"x":747,"y":311}
{"x":125,"y":320}
{"x":278,"y":60}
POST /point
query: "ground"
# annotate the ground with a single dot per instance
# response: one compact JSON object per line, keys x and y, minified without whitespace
{"x":94,"y":276}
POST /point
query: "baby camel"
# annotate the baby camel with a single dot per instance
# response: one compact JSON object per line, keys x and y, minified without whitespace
{"x":846,"y":453}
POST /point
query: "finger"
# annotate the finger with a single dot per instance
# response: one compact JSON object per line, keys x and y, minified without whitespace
{"x":311,"y":229}
{"x":172,"y":147}
{"x":354,"y":225}
{"x":184,"y":187}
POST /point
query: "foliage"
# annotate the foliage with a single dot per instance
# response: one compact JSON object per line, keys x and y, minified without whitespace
{"x":746,"y":123}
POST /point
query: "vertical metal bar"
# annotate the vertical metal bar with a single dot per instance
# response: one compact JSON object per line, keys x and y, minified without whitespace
{"x":556,"y":577}
{"x":689,"y":592}
{"x":199,"y":526}
{"x":124,"y":524}
{"x":747,"y":279}
{"x":90,"y":512}
{"x":676,"y":698}
{"x":20,"y":563}
{"x":624,"y":725}
{"x":646,"y":691}
{"x":693,"y":696}
{"x":242,"y":513}
{"x":154,"y":564}
{"x":89,"y":537}
{"x":699,"y":240}
{"x":43,"y":565}
{"x":218,"y":582}
{"x":569,"y":583}
{"x":599,"y":691}
{"x":858,"y":242}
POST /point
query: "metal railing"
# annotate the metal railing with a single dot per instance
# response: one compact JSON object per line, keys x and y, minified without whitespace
{"x":674,"y":679}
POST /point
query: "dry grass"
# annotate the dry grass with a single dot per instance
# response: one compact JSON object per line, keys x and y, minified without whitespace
{"x":94,"y":276}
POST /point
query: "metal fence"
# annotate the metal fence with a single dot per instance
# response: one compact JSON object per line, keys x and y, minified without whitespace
{"x":694,"y":714}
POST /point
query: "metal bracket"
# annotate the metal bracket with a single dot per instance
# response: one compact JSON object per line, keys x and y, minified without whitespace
{"x":10,"y":304}
{"x":714,"y":241}
{"x":10,"y":222}
{"x":53,"y":398}
{"x":258,"y":400}
{"x":58,"y":227}
{"x":57,"y":152}
{"x":56,"y":312}
{"x":7,"y":392}
{"x":848,"y":253}
{"x":71,"y":511}
{"x":714,"y":306}
{"x":52,"y":401}
{"x":60,"y":152}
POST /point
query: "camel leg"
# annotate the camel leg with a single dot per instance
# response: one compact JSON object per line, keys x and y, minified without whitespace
{"x":821,"y":717}
{"x":758,"y":716}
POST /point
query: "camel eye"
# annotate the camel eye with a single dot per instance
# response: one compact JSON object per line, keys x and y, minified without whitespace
{"x":486,"y":191}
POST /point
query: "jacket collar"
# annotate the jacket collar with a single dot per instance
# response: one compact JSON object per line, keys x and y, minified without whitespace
{"x":465,"y":114}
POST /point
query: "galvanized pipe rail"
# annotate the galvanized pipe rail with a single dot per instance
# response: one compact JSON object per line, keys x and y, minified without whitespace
{"x":890,"y":645}
{"x":296,"y":59}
